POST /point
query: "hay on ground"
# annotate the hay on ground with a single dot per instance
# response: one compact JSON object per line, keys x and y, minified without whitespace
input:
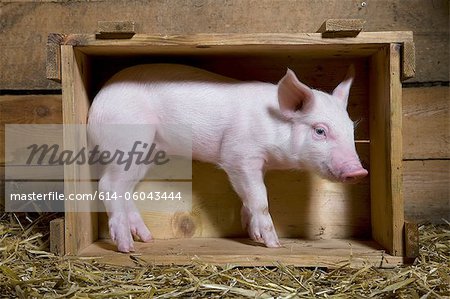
{"x":28,"y":270}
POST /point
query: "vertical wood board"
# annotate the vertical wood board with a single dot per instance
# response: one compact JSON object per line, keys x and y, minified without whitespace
{"x":57,"y":241}
{"x":81,"y":227}
{"x":386,"y":150}
{"x":31,"y":109}
{"x":426,"y":123}
{"x":426,"y":188}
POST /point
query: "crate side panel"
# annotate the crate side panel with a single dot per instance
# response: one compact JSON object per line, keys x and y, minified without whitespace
{"x":396,"y":150}
{"x":429,"y":107}
{"x":27,"y":109}
{"x":386,"y":149}
{"x":379,"y":177}
{"x":81,"y":228}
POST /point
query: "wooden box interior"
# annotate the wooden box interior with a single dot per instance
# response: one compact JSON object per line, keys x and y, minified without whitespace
{"x":316,"y":219}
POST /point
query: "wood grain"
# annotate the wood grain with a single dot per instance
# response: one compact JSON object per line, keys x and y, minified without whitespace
{"x":53,"y":63}
{"x":31,"y":109}
{"x":341,"y":28}
{"x":117,"y":29}
{"x":386,"y":150}
{"x":243,"y":252}
{"x":408,"y":61}
{"x":395,"y":151}
{"x":426,"y":125}
{"x":2,"y":189}
{"x":24,"y":54}
{"x":57,"y":236}
{"x":81,"y":228}
{"x":427,"y":190}
{"x":411,"y":240}
{"x":239,"y":43}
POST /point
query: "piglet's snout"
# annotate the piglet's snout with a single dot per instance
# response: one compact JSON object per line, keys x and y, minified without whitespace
{"x":352,"y":172}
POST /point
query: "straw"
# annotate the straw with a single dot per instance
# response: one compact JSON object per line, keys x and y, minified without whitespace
{"x":28,"y":270}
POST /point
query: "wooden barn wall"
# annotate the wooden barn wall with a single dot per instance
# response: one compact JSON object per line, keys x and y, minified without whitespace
{"x":28,"y":97}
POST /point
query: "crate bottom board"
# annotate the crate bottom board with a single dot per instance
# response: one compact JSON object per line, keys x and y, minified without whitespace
{"x":244,"y":252}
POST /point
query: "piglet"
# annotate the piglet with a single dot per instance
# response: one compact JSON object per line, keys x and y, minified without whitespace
{"x":243,"y":127}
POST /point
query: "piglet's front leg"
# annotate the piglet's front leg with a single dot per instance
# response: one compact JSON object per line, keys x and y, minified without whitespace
{"x":248,"y":183}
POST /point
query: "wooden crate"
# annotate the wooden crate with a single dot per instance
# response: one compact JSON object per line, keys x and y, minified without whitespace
{"x":320,"y":223}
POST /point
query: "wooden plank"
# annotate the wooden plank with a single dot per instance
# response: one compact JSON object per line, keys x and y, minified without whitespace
{"x":240,"y":41}
{"x":2,"y":189}
{"x":243,"y":252}
{"x":380,"y":209}
{"x":81,"y":227}
{"x":115,"y":29}
{"x":53,"y":67}
{"x":34,"y":173}
{"x":23,"y":165}
{"x":395,"y":148}
{"x":24,"y":110}
{"x":408,"y":60}
{"x":57,"y":236}
{"x":28,"y":109}
{"x":341,"y":27}
{"x":429,"y":69}
{"x":19,"y":43}
{"x":31,"y":109}
{"x":411,"y":240}
{"x":386,"y":150}
{"x":426,"y":190}
{"x":426,"y":127}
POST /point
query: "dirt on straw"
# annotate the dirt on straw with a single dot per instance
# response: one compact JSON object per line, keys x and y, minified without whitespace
{"x":28,"y":270}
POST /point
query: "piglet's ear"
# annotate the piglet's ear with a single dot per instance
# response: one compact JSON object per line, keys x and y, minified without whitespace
{"x":293,"y":95}
{"x":343,"y":89}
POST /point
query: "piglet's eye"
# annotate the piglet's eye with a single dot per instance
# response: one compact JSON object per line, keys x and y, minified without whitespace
{"x":320,"y":131}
